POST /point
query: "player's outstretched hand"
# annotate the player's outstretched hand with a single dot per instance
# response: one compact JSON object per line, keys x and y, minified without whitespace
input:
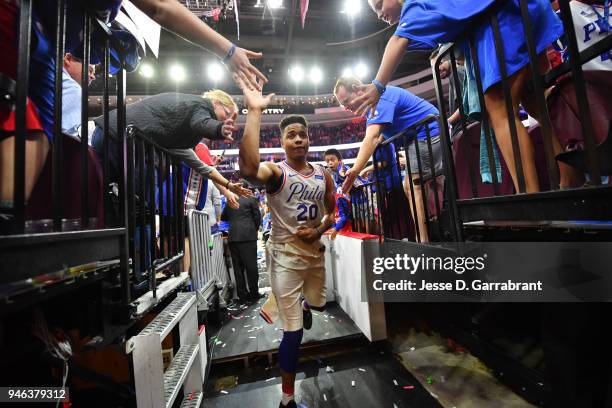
{"x":254,"y":99}
{"x":307,"y":234}
{"x":351,"y":175}
{"x":238,"y":189}
{"x":367,"y":101}
{"x":244,"y":73}
{"x":228,"y":129}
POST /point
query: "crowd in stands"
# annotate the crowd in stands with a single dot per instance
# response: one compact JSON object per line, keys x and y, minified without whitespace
{"x":320,"y":135}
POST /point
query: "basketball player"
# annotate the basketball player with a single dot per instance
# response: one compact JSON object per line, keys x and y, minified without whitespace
{"x":301,"y":200}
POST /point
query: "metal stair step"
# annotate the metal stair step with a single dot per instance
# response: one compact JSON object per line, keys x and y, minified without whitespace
{"x":170,"y":316}
{"x":177,"y":372}
{"x":193,"y":400}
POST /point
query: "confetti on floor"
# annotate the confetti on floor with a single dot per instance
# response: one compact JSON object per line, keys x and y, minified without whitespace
{"x":224,"y":392}
{"x":395,"y":382}
{"x":270,"y":379}
{"x":352,"y":383}
{"x":329,"y":369}
{"x":362,"y":369}
{"x":409,"y":387}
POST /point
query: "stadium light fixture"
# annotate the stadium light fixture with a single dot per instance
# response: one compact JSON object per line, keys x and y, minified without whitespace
{"x":147,"y":70}
{"x":275,"y":4}
{"x":361,"y":70}
{"x":347,"y":72}
{"x":316,"y":75}
{"x":215,"y":71}
{"x":177,"y":73}
{"x":352,"y":7}
{"x":296,"y":73}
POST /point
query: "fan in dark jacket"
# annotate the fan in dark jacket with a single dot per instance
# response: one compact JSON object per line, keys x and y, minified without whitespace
{"x":244,"y":224}
{"x":175,"y":121}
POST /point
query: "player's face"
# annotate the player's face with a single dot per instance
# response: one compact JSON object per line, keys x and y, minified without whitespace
{"x":388,"y":11}
{"x":295,"y":141}
{"x":332,"y":162}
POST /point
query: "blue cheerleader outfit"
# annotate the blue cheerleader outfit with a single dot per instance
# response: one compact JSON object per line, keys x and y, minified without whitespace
{"x":428,"y":23}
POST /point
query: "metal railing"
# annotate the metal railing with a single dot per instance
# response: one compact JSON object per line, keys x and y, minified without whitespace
{"x":409,"y":198}
{"x":589,"y":202}
{"x":364,"y":209}
{"x":208,"y":269}
{"x":141,"y":195}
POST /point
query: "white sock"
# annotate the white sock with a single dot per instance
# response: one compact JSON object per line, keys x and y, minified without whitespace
{"x":286,"y":398}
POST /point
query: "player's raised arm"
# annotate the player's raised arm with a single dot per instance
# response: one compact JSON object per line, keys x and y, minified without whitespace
{"x":250,"y":166}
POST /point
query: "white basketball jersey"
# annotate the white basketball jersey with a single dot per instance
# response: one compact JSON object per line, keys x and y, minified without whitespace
{"x":298,"y":201}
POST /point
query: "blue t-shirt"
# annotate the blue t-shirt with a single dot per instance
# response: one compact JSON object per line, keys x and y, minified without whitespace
{"x":398,"y":109}
{"x":430,"y":22}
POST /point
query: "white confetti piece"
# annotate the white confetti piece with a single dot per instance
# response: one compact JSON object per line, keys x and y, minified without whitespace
{"x":395,"y":382}
{"x":362,"y":369}
{"x":324,"y":397}
{"x":224,"y":392}
{"x":224,"y":344}
{"x":332,"y":317}
{"x":270,"y":379}
{"x":233,"y":329}
{"x":412,"y":349}
{"x":327,"y":334}
{"x":434,"y":395}
{"x":246,"y":325}
{"x":352,"y":383}
{"x":254,"y":317}
{"x":329,"y":369}
{"x":252,"y":337}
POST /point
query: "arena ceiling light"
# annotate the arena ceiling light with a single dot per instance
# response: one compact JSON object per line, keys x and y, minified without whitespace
{"x":215,"y":71}
{"x":177,"y":73}
{"x":352,"y":7}
{"x":147,"y":70}
{"x":296,"y":73}
{"x":361,"y":70}
{"x":347,"y":72}
{"x":316,"y":75}
{"x":275,"y":4}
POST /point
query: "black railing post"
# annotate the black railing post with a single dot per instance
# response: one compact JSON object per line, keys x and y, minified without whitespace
{"x":142,"y":247}
{"x":123,"y":199}
{"x":152,"y":211}
{"x":586,"y":121}
{"x":516,"y":146}
{"x":105,"y":118}
{"x":84,"y":122}
{"x":180,"y":211}
{"x":21,"y":133}
{"x":447,"y":152}
{"x":57,"y":165}
{"x":538,"y":81}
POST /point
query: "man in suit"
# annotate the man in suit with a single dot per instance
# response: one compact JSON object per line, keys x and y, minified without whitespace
{"x":244,"y":224}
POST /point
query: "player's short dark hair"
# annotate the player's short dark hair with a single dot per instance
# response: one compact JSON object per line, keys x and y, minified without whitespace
{"x":290,"y":120}
{"x":333,"y":152}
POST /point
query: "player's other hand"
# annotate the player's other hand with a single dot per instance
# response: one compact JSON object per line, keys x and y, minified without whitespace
{"x":254,"y":99}
{"x":367,"y":101}
{"x":334,"y":233}
{"x":307,"y":234}
{"x":244,"y":73}
{"x":238,"y":189}
{"x":228,"y":129}
{"x":351,"y":176}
